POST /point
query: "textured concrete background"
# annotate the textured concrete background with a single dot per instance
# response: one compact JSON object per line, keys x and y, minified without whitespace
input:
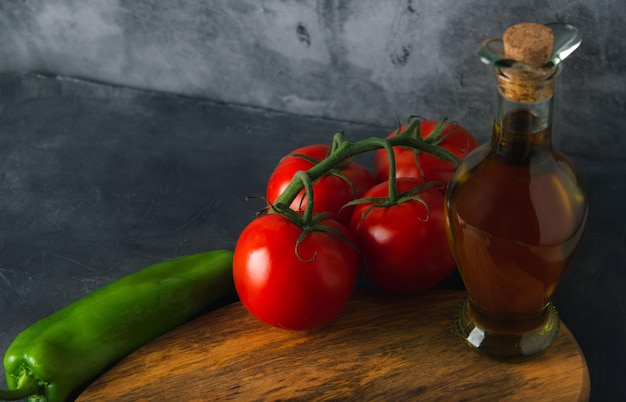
{"x":362,"y":61}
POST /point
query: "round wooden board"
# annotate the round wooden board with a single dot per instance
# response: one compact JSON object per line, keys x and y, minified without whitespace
{"x":380,"y":347}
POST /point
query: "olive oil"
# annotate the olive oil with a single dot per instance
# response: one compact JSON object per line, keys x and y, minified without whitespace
{"x":516,"y":207}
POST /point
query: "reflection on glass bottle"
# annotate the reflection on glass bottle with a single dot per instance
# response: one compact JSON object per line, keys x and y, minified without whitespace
{"x":516,"y":208}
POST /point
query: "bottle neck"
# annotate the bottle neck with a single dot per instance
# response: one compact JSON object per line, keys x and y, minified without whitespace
{"x":521,"y":129}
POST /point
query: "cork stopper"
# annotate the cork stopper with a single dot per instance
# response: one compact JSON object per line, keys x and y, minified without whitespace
{"x":530,"y":44}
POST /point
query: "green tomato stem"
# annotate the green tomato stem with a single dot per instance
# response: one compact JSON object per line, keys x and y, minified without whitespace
{"x":392,"y":189}
{"x":343,"y":149}
{"x":303,"y":178}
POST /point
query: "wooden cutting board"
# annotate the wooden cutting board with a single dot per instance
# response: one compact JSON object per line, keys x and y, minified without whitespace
{"x":380,"y":347}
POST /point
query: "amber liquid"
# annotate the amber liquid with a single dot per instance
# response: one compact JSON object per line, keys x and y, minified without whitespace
{"x":516,"y":211}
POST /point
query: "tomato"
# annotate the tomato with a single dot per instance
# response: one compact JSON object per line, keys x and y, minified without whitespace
{"x":454,"y":138}
{"x":331,"y":192}
{"x":405,"y":244}
{"x":288,"y":290}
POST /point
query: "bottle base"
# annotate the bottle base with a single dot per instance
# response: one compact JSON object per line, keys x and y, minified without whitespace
{"x":506,"y":344}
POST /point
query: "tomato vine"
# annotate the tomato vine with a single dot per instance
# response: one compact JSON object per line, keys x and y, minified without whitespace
{"x":343,"y":149}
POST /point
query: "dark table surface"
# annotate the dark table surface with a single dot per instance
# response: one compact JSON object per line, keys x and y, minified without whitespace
{"x":99,"y":181}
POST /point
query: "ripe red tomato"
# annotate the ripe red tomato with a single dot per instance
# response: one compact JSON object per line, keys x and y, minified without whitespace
{"x":330,"y":192}
{"x":284,"y":290}
{"x":405,"y":244}
{"x":457,"y":140}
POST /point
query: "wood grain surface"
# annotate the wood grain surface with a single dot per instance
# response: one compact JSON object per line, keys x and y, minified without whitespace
{"x":379,"y":348}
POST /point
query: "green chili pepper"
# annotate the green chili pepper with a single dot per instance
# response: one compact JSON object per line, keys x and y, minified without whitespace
{"x":57,"y":357}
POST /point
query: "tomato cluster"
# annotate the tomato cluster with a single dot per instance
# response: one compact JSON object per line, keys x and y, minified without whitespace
{"x":296,"y":267}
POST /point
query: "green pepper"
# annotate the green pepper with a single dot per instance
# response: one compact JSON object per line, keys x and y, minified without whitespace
{"x":57,"y":357}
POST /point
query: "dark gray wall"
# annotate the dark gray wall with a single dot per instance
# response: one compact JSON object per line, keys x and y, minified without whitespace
{"x":364,"y":61}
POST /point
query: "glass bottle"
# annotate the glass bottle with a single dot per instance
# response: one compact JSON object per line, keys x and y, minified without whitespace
{"x":516,"y":208}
